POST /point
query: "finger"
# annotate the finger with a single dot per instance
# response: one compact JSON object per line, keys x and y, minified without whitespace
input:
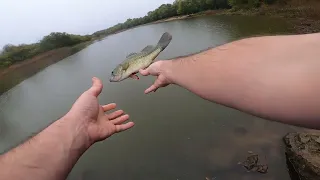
{"x":150,"y":89}
{"x":115,"y":114}
{"x":153,"y":87}
{"x":120,"y":119}
{"x":96,"y":87}
{"x":123,"y":127}
{"x":109,"y":107}
{"x":134,"y":76}
{"x":144,"y":72}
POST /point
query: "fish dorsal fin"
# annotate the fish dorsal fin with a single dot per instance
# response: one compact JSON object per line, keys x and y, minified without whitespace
{"x":147,"y":48}
{"x":131,"y":54}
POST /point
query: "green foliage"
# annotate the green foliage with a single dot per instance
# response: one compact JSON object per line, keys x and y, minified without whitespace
{"x":189,"y":7}
{"x":269,"y":1}
{"x":57,"y":40}
{"x":246,"y":3}
{"x":164,"y":11}
{"x":12,"y":54}
{"x":179,"y":7}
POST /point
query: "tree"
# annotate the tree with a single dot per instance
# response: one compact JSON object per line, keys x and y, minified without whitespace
{"x":244,"y":3}
{"x":8,"y":48}
{"x":12,"y":53}
{"x":180,"y":7}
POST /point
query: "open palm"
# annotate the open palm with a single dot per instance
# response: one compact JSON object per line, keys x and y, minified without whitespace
{"x":93,"y":117}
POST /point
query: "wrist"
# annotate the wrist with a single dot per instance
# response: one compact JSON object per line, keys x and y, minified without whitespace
{"x":167,"y":69}
{"x":76,"y":130}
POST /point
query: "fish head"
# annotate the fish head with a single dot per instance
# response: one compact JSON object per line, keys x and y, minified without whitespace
{"x":118,"y":74}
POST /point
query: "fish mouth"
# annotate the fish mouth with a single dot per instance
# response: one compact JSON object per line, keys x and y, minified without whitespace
{"x":115,"y":78}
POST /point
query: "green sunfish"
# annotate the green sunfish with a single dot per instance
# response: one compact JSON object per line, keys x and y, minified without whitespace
{"x":136,"y":61}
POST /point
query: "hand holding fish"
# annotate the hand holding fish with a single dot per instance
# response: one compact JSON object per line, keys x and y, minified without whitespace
{"x":139,"y":60}
{"x":157,"y":69}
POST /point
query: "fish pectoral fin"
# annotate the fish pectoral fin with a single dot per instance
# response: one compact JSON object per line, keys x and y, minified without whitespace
{"x":134,"y":76}
{"x":147,"y":49}
{"x":131,"y":55}
{"x":125,"y":66}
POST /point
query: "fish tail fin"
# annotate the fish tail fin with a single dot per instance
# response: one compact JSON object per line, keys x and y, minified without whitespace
{"x":164,"y":40}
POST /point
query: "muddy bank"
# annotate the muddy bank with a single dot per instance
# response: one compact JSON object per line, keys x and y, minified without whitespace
{"x":204,"y":13}
{"x":304,"y":19}
{"x":16,"y":73}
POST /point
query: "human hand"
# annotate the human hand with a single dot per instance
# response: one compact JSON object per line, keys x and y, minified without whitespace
{"x":158,"y":69}
{"x":92,"y":118}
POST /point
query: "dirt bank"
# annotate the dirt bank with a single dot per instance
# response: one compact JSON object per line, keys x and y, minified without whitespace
{"x":18,"y":72}
{"x":304,"y":18}
{"x":204,"y":13}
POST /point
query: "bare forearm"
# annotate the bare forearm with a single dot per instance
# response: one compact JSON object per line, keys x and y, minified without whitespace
{"x":53,"y":152}
{"x":271,"y":77}
{"x":49,"y":155}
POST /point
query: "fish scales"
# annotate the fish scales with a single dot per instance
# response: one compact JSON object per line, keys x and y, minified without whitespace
{"x":135,"y":61}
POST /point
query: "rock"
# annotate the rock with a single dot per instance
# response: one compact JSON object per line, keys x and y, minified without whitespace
{"x":303,"y":155}
{"x":251,"y":164}
{"x":210,"y":178}
{"x":251,"y":161}
{"x":304,"y":138}
{"x":318,"y":140}
{"x":262,"y":169}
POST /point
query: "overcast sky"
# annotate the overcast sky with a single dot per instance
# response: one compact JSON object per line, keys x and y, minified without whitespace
{"x":27,"y":21}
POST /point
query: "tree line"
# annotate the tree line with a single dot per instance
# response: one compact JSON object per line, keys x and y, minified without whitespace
{"x":11,"y":54}
{"x":182,"y":7}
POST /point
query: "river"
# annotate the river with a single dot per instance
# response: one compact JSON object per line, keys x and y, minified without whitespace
{"x":177,"y":134}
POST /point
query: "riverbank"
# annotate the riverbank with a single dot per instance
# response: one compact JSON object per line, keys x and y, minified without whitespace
{"x":204,"y":13}
{"x":18,"y":72}
{"x":302,"y":18}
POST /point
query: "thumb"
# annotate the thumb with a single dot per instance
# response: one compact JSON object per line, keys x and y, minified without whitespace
{"x":96,"y":87}
{"x":144,"y":72}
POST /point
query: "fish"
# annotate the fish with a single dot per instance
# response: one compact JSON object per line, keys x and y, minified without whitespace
{"x":141,"y":60}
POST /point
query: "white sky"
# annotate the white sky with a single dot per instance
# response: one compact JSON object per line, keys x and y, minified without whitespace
{"x":27,"y":21}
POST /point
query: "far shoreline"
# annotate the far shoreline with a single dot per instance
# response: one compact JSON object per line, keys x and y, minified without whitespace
{"x":18,"y":72}
{"x":300,"y":24}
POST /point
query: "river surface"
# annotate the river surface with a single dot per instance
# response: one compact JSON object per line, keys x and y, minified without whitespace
{"x":177,"y":134}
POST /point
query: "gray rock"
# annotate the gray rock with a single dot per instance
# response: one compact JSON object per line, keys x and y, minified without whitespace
{"x":303,"y":155}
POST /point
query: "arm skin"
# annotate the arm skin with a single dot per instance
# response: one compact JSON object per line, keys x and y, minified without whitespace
{"x":273,"y":77}
{"x":52,"y":153}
